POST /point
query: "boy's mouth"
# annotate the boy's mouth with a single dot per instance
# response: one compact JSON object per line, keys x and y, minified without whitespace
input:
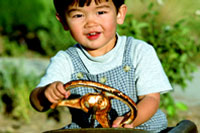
{"x":93,"y":35}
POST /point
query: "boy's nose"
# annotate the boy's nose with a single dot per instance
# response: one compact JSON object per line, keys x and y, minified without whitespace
{"x":91,"y":21}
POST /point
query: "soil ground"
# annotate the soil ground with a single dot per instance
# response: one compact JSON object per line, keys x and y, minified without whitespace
{"x":40,"y":123}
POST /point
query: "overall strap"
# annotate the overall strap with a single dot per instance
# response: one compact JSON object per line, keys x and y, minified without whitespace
{"x":126,"y":56}
{"x":76,"y":60}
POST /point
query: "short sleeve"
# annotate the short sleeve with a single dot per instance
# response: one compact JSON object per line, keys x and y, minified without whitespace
{"x":59,"y":69}
{"x":150,"y":76}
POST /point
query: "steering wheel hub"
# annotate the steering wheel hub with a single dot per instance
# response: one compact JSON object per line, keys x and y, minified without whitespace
{"x":95,"y":101}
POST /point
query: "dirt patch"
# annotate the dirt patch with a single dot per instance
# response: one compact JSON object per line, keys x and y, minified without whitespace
{"x":191,"y":114}
{"x":40,"y":123}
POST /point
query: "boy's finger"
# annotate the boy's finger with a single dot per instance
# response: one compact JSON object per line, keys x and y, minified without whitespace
{"x":53,"y":98}
{"x":117,"y":122}
{"x":128,"y":126}
{"x":61,"y":89}
{"x":58,"y":94}
{"x":67,"y":94}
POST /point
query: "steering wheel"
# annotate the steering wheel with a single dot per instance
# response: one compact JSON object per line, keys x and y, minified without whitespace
{"x":98,"y":103}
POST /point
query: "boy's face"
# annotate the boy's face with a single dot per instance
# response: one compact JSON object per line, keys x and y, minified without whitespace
{"x":94,"y":26}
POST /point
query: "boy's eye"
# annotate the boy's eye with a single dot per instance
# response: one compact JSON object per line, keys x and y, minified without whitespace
{"x":101,"y":12}
{"x":77,"y":16}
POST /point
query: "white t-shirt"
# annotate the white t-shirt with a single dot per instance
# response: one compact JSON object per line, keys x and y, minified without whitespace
{"x":150,"y":76}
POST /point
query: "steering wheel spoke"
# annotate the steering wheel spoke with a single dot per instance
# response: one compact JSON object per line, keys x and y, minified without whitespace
{"x":74,"y":103}
{"x":103,"y":120}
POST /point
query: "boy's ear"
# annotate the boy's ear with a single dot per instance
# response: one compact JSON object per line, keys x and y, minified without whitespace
{"x":63,"y":22}
{"x":121,"y":14}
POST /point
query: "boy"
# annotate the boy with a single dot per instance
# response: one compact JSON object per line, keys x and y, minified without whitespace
{"x":101,"y":55}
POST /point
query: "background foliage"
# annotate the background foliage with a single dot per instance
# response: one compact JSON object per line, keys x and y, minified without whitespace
{"x":30,"y":26}
{"x":16,"y":84}
{"x":33,"y":24}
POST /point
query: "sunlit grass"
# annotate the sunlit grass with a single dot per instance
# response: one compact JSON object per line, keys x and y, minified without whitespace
{"x":170,"y":11}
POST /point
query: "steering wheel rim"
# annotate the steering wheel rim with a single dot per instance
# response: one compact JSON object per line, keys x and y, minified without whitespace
{"x":107,"y":93}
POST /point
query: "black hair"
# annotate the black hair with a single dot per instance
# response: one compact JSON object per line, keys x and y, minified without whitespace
{"x":62,"y":5}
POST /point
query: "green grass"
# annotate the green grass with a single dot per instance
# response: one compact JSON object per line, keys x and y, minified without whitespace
{"x":170,"y":10}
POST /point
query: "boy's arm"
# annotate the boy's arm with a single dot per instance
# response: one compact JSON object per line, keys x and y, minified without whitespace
{"x":147,"y":107}
{"x":38,"y":99}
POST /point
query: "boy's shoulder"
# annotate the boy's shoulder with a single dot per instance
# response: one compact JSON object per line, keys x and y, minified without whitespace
{"x":137,"y":44}
{"x":133,"y":40}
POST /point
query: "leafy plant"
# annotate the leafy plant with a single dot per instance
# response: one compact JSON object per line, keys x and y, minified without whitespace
{"x":33,"y":23}
{"x":12,"y":48}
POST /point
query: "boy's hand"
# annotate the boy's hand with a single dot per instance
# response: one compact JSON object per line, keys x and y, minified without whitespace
{"x":146,"y":108}
{"x":117,"y":121}
{"x":55,"y":92}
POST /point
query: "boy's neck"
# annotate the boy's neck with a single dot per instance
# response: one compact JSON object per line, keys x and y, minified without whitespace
{"x":103,"y":50}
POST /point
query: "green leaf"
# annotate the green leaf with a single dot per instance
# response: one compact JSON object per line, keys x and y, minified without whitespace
{"x":181,"y":106}
{"x":171,"y":111}
{"x":183,"y":58}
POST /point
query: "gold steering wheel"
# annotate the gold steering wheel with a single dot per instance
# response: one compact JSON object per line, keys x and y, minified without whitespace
{"x":99,"y":103}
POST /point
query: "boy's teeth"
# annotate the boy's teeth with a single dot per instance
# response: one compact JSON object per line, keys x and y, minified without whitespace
{"x":92,"y":34}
